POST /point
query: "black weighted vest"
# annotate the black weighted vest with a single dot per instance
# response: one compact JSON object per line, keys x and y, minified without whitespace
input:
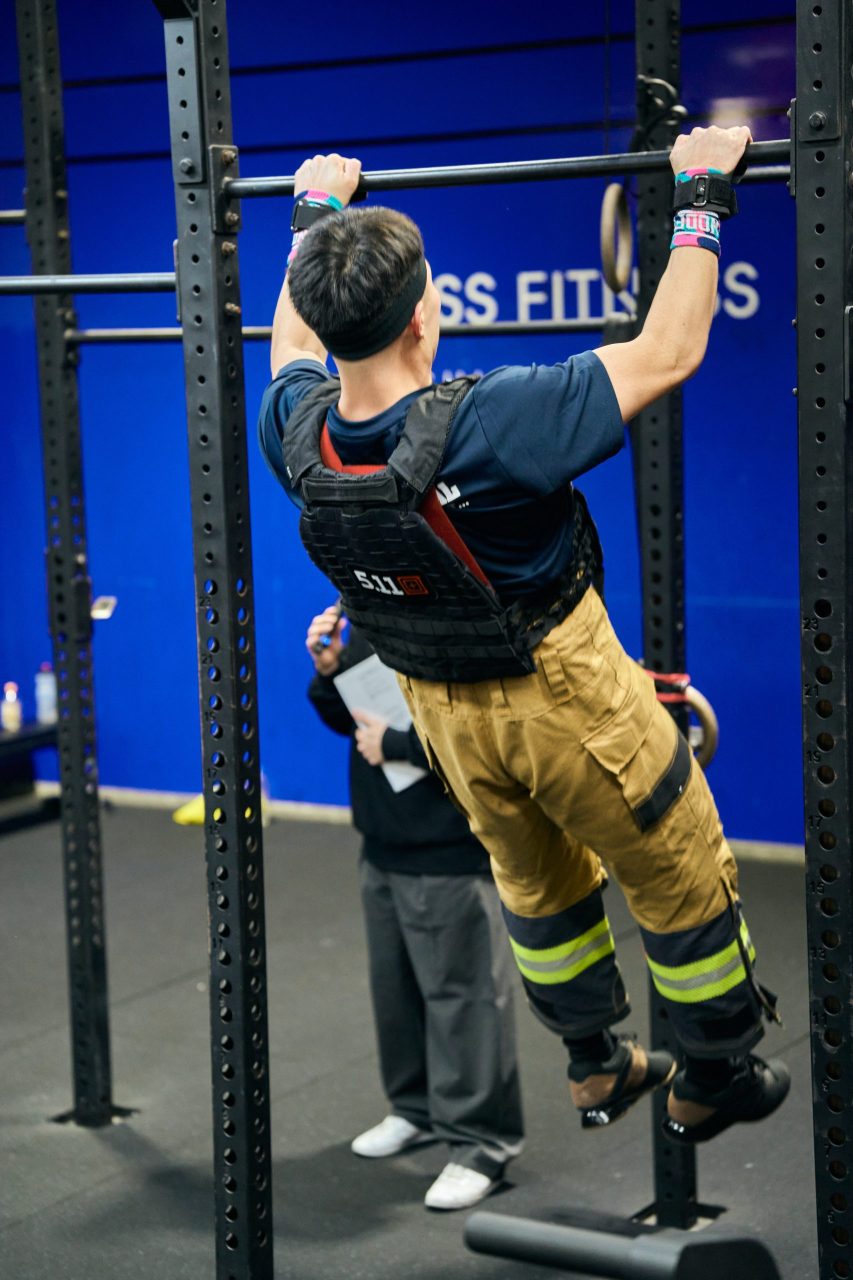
{"x":427,"y":609}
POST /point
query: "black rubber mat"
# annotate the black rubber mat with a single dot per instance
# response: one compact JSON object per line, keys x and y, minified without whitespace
{"x":135,"y":1201}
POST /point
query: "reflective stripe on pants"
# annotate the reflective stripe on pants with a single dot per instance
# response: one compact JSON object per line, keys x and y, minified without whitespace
{"x":709,"y":996}
{"x":568,"y":966}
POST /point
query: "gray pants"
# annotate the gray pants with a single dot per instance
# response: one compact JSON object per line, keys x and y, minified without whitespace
{"x":441,"y":977}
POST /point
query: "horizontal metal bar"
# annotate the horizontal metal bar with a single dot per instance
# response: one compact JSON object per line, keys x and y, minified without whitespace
{"x":507,"y":171}
{"x":141,"y":282}
{"x":101,"y":337}
{"x":263,"y":332}
{"x":520,"y":328}
{"x":12,"y":217}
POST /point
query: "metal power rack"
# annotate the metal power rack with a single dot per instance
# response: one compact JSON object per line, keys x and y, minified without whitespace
{"x":69,"y":586}
{"x":208,"y":189}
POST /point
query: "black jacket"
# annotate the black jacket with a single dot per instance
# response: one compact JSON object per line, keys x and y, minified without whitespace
{"x":416,"y":831}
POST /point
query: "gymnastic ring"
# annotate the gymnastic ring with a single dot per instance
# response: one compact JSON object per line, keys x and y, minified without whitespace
{"x":616,"y":222}
{"x":704,"y":712}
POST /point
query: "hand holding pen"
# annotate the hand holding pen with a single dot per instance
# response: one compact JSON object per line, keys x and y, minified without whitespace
{"x":324,"y":642}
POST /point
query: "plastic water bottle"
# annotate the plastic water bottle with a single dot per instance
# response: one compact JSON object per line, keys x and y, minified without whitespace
{"x":10,"y":708}
{"x":46,"y":694}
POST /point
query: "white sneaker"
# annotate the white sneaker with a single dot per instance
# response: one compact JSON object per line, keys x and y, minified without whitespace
{"x":458,"y":1188}
{"x":390,"y":1136}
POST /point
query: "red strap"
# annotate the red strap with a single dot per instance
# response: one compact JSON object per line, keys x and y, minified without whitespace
{"x":431,"y":509}
{"x":439,"y":521}
{"x":677,"y":681}
{"x":329,"y":454}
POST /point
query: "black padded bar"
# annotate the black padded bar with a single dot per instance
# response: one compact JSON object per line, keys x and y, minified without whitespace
{"x":263,"y":332}
{"x":664,"y":1256}
{"x":471,"y":175}
{"x":12,"y":217}
{"x":128,"y":282}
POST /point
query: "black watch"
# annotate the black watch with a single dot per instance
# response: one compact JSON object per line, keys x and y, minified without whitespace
{"x":305,"y":214}
{"x":711,"y":192}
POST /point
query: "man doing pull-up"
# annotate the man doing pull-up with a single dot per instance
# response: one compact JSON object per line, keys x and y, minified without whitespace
{"x":447,"y":518}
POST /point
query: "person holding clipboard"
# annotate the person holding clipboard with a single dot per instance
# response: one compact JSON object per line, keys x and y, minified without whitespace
{"x":441,"y":973}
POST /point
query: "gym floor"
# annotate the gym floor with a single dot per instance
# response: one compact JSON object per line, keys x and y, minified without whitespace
{"x":135,"y":1200}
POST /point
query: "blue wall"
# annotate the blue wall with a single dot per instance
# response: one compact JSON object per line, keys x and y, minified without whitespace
{"x":497,"y":99}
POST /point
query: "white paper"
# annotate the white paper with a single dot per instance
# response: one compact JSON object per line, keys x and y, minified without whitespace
{"x":371,"y":686}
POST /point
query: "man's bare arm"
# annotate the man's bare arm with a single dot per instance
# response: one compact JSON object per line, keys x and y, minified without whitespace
{"x":674,"y":338}
{"x":291,"y":337}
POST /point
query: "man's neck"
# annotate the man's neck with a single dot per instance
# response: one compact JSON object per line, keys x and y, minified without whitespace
{"x":371,"y":386}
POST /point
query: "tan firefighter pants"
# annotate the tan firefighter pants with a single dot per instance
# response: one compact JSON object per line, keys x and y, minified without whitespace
{"x":552,"y":770}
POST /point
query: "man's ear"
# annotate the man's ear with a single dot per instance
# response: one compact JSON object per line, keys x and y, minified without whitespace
{"x":417,"y":322}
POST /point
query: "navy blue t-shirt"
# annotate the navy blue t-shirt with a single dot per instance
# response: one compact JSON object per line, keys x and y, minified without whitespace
{"x":520,"y":436}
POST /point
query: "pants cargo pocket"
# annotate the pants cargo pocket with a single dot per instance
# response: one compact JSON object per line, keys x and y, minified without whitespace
{"x":642,"y":748}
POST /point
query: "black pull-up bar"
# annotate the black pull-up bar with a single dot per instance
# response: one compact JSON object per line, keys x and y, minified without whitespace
{"x":470,"y":175}
{"x":396,"y":179}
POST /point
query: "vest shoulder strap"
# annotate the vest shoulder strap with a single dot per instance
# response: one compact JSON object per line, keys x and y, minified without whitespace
{"x":300,"y":446}
{"x":419,"y":452}
{"x":421,"y":447}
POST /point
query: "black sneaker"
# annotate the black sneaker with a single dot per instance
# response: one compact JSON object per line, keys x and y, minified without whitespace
{"x":636,"y":1072}
{"x":754,"y":1092}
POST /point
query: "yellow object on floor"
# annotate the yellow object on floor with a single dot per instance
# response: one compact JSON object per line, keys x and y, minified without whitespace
{"x":190,"y":814}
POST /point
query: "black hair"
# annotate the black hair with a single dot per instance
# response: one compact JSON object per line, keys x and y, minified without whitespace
{"x":350,"y":265}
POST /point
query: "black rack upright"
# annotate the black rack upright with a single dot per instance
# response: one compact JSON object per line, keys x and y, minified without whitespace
{"x":69,"y":585}
{"x":656,"y":440}
{"x":822,"y":137}
{"x":209,"y":298}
